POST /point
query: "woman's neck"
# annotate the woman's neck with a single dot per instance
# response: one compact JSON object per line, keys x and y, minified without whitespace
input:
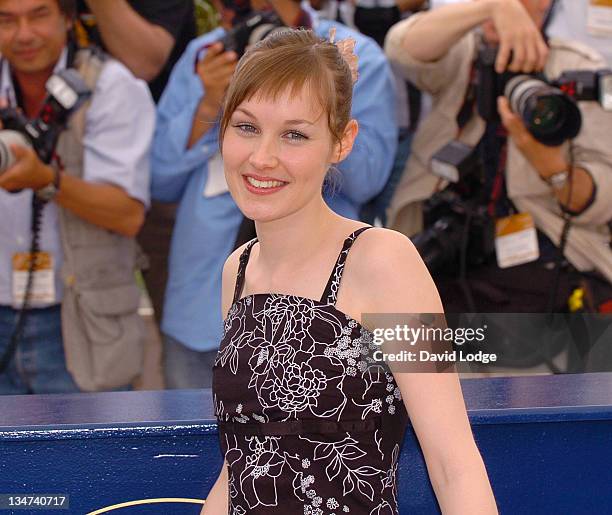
{"x":288,"y":242}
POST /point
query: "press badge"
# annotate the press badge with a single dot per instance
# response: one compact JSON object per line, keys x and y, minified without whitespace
{"x":215,"y":182}
{"x":599,"y":18}
{"x":43,"y":280}
{"x":516,"y":240}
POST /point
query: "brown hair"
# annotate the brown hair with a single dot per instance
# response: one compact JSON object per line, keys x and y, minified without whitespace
{"x":294,"y":58}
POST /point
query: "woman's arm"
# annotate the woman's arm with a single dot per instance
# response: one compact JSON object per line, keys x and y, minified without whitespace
{"x":216,"y":502}
{"x":397,"y":281}
{"x":437,"y":412}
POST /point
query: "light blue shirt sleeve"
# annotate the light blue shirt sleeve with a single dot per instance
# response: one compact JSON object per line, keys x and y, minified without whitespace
{"x":119,"y":132}
{"x":172,"y":162}
{"x":206,"y":226}
{"x":366,"y":170}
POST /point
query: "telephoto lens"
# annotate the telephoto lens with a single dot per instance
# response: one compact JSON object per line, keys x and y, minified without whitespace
{"x":8,"y":138}
{"x":549,"y":115}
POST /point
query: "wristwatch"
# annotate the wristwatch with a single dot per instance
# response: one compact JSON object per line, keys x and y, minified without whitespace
{"x":48,"y":192}
{"x":557,"y":180}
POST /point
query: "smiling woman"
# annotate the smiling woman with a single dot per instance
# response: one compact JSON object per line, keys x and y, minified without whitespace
{"x":288,"y":110}
{"x":307,"y":423}
{"x":277,"y":152}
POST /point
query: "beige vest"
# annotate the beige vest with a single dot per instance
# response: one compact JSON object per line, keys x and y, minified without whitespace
{"x":102,"y":331}
{"x":446,"y":81}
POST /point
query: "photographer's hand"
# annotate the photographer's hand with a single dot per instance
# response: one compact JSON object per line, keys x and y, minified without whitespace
{"x":104,"y":205}
{"x":28,"y":172}
{"x":548,"y":161}
{"x":215,"y":72}
{"x":433,"y":34}
{"x":519,"y":38}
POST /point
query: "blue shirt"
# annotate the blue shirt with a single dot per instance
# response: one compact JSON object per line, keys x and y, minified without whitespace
{"x":119,"y":126}
{"x":206,"y":226}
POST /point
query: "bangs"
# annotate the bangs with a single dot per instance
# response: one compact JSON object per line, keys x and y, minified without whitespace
{"x":274,"y":75}
{"x":293,"y":62}
{"x":277,"y":71}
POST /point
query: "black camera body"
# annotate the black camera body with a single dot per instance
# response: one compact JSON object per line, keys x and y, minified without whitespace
{"x":548,"y":108}
{"x":252,"y":29}
{"x":456,"y":220}
{"x":457,"y":225}
{"x":66,"y":92}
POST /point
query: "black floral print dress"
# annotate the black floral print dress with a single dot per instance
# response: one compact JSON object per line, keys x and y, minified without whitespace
{"x":307,"y":423}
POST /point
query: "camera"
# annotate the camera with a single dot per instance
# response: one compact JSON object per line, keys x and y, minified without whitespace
{"x":252,"y":29}
{"x":249,"y":28}
{"x":457,"y":220}
{"x":457,"y":223}
{"x":66,"y":92}
{"x":547,"y":108}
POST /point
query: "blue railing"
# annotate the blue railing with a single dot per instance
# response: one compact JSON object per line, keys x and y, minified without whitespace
{"x":546,"y":441}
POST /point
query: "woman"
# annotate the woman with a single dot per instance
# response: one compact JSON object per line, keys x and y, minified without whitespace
{"x":306,"y":426}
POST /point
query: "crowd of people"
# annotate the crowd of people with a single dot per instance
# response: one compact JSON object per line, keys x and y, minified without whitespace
{"x":137,"y":162}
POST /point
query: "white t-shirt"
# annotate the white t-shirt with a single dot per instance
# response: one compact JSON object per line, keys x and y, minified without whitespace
{"x":119,"y":129}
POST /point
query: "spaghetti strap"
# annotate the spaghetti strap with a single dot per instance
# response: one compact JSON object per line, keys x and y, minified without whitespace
{"x":330,"y":294}
{"x":244,"y":259}
{"x":292,"y":378}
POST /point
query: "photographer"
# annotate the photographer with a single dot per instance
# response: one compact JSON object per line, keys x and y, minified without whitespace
{"x":187,"y":168}
{"x":542,"y":185}
{"x":74,"y":216}
{"x":374,"y":18}
{"x":147,"y":36}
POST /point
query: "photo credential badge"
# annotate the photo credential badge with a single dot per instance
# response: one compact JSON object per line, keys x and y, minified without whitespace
{"x":43,"y":280}
{"x":215,"y":182}
{"x":516,"y":240}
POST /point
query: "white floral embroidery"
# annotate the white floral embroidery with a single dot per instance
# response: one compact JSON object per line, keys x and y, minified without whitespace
{"x":332,"y":504}
{"x":287,"y":358}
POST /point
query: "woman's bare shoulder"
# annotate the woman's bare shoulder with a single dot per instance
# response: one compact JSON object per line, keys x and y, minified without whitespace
{"x":391,"y":274}
{"x":378,"y":245}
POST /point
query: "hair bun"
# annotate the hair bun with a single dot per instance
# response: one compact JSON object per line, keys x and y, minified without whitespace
{"x":346,"y":47}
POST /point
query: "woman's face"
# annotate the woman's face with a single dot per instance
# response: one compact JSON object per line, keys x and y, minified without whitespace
{"x":276,"y":154}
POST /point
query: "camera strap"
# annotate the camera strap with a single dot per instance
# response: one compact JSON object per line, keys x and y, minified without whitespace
{"x":37,"y":207}
{"x":37,"y":212}
{"x":497,"y":189}
{"x":466,"y":112}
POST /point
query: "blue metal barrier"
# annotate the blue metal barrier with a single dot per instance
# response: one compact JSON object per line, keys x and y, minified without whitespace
{"x":546,"y":441}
